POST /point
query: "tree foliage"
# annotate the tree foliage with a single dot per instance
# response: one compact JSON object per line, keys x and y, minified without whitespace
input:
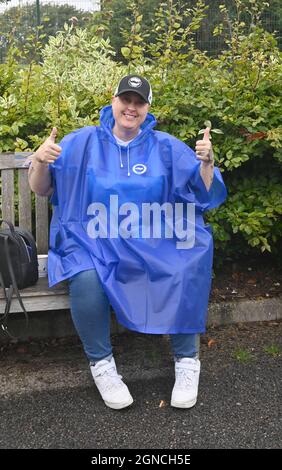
{"x":18,"y":24}
{"x":115,"y":13}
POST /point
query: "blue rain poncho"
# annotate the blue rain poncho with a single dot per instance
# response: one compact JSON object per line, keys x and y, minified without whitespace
{"x":153,"y":284}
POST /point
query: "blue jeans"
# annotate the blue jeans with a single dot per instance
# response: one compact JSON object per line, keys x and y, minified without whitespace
{"x":90,"y":310}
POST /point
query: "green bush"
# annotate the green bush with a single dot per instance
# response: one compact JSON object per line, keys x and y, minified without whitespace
{"x":239,"y":92}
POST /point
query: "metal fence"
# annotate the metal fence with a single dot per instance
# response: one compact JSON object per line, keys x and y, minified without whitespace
{"x":30,"y":13}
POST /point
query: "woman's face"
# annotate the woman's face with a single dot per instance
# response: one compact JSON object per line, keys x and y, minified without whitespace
{"x":129,"y":111}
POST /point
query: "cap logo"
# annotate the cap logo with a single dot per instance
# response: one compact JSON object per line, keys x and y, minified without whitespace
{"x":139,"y":168}
{"x":135,"y":82}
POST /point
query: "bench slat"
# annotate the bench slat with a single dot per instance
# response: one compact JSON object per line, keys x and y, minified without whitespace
{"x":7,"y":160}
{"x":40,"y":297}
{"x":8,"y":200}
{"x":9,"y":164}
{"x":13,"y":160}
{"x":41,"y":216}
{"x":24,"y":201}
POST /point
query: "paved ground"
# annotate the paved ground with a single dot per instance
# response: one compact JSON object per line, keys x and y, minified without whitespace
{"x":48,"y":399}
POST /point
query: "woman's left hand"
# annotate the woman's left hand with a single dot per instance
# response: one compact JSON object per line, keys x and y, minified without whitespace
{"x":204,"y":150}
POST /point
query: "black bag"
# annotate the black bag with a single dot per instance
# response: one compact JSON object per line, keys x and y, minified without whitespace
{"x":18,"y":265}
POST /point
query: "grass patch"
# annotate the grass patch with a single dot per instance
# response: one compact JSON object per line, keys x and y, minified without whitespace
{"x":242,"y":355}
{"x":272,"y":350}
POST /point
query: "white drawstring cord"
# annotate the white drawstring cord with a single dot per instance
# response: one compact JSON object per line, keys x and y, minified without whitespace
{"x":120,"y":159}
{"x":128,"y":171}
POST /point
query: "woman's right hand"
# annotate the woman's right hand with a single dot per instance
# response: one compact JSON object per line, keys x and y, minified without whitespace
{"x":48,"y":152}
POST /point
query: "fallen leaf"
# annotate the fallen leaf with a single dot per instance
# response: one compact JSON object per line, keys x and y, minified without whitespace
{"x":22,"y":350}
{"x":211,"y":342}
{"x":162,"y":404}
{"x":236,"y":276}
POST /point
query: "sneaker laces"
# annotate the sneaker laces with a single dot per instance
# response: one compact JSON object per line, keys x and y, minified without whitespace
{"x":112,"y":379}
{"x":185,"y":374}
{"x":184,"y":378}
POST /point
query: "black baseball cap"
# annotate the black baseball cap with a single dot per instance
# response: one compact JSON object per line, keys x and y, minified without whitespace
{"x":135,"y":83}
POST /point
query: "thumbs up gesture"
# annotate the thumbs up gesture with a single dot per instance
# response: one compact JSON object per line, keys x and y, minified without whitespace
{"x":204,"y":150}
{"x":53,"y":134}
{"x":49,"y":151}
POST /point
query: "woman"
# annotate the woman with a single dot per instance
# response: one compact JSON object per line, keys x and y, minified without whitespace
{"x":128,"y":230}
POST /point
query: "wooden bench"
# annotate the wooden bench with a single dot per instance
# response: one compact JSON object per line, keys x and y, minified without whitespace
{"x":16,"y":193}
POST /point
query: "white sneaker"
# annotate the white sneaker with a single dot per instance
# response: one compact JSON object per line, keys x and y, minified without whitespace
{"x":112,"y":389}
{"x":185,"y":390}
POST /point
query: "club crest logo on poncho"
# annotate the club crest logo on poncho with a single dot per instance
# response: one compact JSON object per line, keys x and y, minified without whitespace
{"x":139,"y":168}
{"x":135,"y":82}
